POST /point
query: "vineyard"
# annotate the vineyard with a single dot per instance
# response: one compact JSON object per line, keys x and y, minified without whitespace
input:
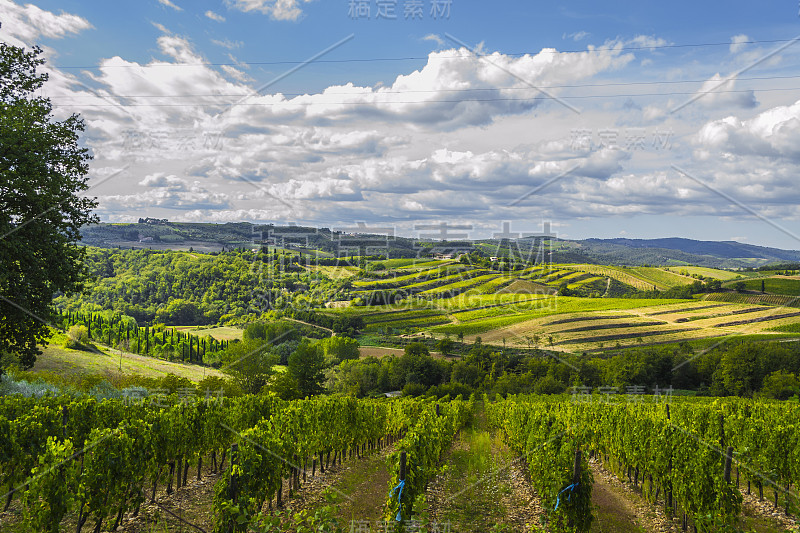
{"x":77,"y":463}
{"x":691,"y":457}
{"x":67,"y":460}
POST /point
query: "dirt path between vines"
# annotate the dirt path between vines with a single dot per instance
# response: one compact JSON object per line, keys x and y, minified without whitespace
{"x":359,"y":488}
{"x":483,"y":486}
{"x":617,"y":508}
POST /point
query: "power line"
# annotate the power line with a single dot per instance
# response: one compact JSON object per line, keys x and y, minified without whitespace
{"x":414,"y":91}
{"x":388,"y":102}
{"x":439,"y":57}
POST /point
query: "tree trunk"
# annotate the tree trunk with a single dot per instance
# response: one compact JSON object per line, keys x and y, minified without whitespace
{"x":171,"y":477}
{"x":155,"y":484}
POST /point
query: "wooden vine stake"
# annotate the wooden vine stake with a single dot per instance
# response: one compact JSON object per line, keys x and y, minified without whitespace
{"x":403,"y":478}
{"x":728,"y":459}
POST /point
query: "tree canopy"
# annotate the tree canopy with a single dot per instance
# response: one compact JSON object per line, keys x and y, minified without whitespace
{"x":42,"y":171}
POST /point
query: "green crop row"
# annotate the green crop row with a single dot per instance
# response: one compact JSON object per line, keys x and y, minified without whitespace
{"x":444,"y":289}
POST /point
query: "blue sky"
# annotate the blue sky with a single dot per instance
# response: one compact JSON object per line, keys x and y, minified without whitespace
{"x":628,"y":119}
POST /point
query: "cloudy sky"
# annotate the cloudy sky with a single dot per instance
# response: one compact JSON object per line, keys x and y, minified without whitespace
{"x":635,"y":119}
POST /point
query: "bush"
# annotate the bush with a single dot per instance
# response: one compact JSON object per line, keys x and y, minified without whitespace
{"x":213,"y":384}
{"x":38,"y":389}
{"x":549,"y":385}
{"x":77,"y":337}
{"x":450,"y":389}
{"x":780,"y":385}
{"x":414,"y":389}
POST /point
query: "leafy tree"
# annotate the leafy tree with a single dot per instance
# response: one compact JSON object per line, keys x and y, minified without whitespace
{"x":42,"y":170}
{"x":256,"y":330}
{"x":77,"y":334}
{"x":444,"y":346}
{"x":305,"y":366}
{"x":781,"y":385}
{"x":249,"y":364}
{"x":285,"y":386}
{"x":416,"y":348}
{"x":739,"y":370}
{"x":278,"y":332}
{"x":182,"y":313}
{"x":338,"y":349}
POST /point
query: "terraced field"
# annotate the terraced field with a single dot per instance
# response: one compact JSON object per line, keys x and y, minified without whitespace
{"x":492,"y":286}
{"x":724,"y":275}
{"x":407,"y":279}
{"x":765,"y":299}
{"x":454,"y":299}
{"x":669,"y":322}
{"x":523,"y":286}
{"x":660,"y":277}
{"x":335,"y":272}
{"x":618,"y":273}
{"x":416,"y":263}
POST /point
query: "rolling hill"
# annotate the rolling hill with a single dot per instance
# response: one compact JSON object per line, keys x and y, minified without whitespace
{"x":325,"y":241}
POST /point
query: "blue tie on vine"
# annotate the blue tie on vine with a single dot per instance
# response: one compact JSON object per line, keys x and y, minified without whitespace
{"x":399,"y":496}
{"x":570,"y":489}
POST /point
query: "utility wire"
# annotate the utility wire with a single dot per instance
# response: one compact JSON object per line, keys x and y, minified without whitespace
{"x":419,"y":58}
{"x":387,"y":102}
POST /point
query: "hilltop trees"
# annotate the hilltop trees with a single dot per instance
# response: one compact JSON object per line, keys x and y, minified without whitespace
{"x":42,"y":171}
{"x":305,"y":366}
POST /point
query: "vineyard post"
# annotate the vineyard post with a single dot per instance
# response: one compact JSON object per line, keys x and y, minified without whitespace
{"x":576,"y":468}
{"x":728,"y":459}
{"x":576,"y":477}
{"x":667,"y":491}
{"x":402,"y":480}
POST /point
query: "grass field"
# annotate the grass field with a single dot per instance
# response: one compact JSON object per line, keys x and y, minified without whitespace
{"x":777,"y":285}
{"x":78,"y":363}
{"x":556,"y":305}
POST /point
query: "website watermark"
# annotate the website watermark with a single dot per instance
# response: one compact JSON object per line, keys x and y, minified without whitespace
{"x":399,"y":9}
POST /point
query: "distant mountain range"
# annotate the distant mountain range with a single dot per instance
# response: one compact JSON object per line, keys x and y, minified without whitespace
{"x":730,"y":254}
{"x":162,"y":234}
